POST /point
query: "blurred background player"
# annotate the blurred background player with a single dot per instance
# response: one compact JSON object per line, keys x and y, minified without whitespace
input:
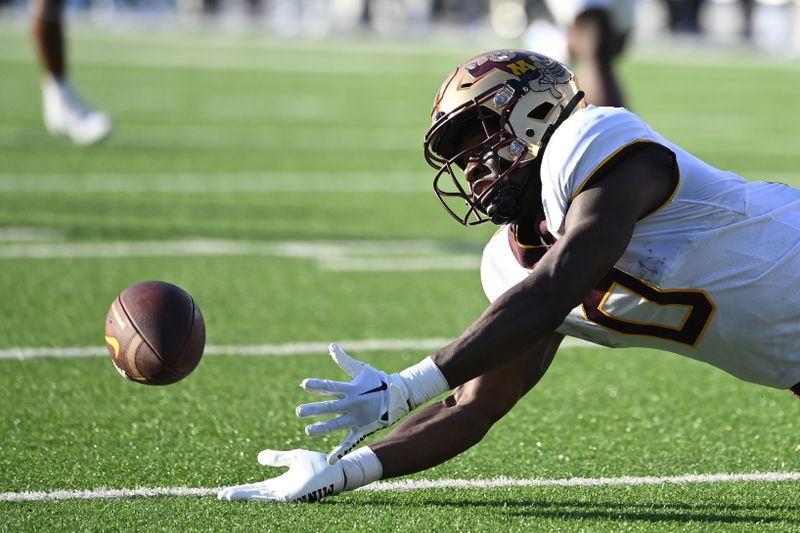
{"x":597,"y":31}
{"x":65,"y":112}
{"x":684,"y":15}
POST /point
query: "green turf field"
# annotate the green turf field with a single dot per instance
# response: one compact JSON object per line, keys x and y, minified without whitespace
{"x":282,"y":185}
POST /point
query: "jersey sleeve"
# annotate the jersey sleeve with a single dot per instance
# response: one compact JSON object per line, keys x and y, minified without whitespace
{"x":578,"y":149}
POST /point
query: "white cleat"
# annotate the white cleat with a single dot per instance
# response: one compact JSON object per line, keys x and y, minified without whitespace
{"x":67,"y":115}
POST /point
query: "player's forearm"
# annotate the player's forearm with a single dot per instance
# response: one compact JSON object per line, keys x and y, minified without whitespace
{"x":430,"y":437}
{"x":508,"y":329}
{"x":505,"y":331}
{"x":536,"y":306}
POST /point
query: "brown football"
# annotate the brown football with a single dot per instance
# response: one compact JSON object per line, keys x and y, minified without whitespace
{"x":155,"y":333}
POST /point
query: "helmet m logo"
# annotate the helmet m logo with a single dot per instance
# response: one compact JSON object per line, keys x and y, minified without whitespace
{"x":506,"y":61}
{"x":540,"y":73}
{"x":518,"y":68}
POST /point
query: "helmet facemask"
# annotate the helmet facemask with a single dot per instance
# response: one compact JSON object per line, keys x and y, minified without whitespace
{"x":497,"y":147}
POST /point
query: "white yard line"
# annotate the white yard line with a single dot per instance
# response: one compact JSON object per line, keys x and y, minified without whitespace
{"x":28,"y":234}
{"x":356,"y":255}
{"x":582,"y":481}
{"x":333,"y":66}
{"x":102,"y":494}
{"x":302,"y":249}
{"x":406,"y":264}
{"x":276,"y":349}
{"x":218,"y":182}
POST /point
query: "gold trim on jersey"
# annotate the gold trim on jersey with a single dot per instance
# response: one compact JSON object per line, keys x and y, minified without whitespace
{"x":616,"y":152}
{"x":520,"y":244}
{"x":602,"y":163}
{"x":674,"y":188}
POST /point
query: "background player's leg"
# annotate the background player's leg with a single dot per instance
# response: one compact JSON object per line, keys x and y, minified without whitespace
{"x":48,"y":35}
{"x":65,"y":113}
{"x":593,"y":44}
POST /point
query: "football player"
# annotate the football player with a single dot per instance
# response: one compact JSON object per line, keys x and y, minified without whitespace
{"x":597,"y":31}
{"x":608,"y":232}
{"x":65,"y":113}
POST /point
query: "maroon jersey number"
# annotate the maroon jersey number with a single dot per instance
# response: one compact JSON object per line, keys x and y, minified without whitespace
{"x":700,"y":309}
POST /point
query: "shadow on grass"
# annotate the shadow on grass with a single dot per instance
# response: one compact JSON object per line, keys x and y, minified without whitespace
{"x":582,"y":510}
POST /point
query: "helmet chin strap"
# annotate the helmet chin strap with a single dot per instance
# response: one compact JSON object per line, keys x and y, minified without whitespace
{"x":505,"y":205}
{"x":565,"y":113}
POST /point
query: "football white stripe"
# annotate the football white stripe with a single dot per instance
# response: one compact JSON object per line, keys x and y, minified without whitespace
{"x":277,"y":349}
{"x":501,"y":482}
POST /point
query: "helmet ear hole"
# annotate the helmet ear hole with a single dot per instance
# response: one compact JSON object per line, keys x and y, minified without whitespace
{"x":541,"y":111}
{"x":529,"y":132}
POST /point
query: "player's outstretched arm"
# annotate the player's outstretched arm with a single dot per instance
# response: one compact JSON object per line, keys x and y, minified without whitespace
{"x":429,"y":437}
{"x":599,"y":226}
{"x":444,"y":429}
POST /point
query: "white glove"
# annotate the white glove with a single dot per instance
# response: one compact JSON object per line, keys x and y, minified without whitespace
{"x":370,"y":401}
{"x":309,"y":478}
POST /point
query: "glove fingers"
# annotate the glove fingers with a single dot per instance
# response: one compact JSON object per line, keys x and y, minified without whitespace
{"x":323,"y":408}
{"x":345,"y":362}
{"x":320,"y":428}
{"x":275,"y":458}
{"x":251,"y":491}
{"x":347,"y":444}
{"x":326,"y":387}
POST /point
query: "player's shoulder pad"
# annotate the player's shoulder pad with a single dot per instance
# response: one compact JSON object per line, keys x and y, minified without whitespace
{"x":580,"y":147}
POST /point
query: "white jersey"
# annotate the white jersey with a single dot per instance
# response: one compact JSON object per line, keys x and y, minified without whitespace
{"x":714,"y":274}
